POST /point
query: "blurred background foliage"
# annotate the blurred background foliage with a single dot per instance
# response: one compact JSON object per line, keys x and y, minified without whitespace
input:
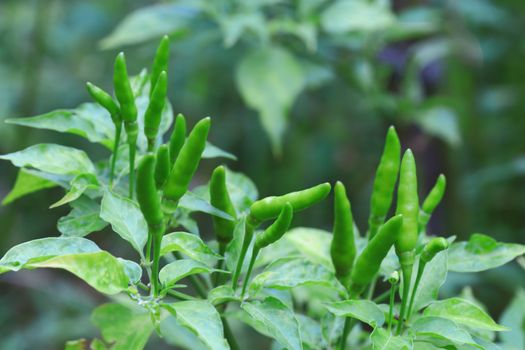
{"x":301,"y":91}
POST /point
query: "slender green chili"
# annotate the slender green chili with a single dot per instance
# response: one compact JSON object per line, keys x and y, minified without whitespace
{"x":153,"y":114}
{"x":162,"y":166}
{"x":430,"y":203}
{"x":384,"y":182}
{"x":408,"y":206}
{"x":128,"y":111}
{"x":220,"y":199}
{"x":177,"y":137}
{"x":160,"y":62}
{"x":342,"y":248}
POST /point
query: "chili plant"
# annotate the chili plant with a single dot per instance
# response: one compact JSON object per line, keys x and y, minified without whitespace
{"x":304,"y":288}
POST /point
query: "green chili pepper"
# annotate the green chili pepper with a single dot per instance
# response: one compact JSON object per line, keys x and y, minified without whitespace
{"x":128,"y":112}
{"x":431,"y":202}
{"x":220,"y":199}
{"x":105,"y":100}
{"x":149,"y":202}
{"x":177,"y":137}
{"x":430,"y":250}
{"x":160,"y":62}
{"x":162,"y":166}
{"x":342,"y":249}
{"x":153,"y":114}
{"x":384,"y":182}
{"x":367,"y":264}
{"x":270,"y":207}
{"x":186,"y":164}
{"x":408,"y":206}
{"x":276,"y":230}
{"x":271,"y":235}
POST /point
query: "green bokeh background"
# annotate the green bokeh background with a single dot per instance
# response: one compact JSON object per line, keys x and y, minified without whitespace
{"x":335,"y":128}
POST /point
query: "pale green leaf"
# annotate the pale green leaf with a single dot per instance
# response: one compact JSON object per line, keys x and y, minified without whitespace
{"x":434,"y":276}
{"x":177,"y":270}
{"x":310,"y":332}
{"x":274,"y":319}
{"x":192,"y":202}
{"x":51,"y":158}
{"x":269,"y":80}
{"x":89,"y":120}
{"x":175,"y":334}
{"x":357,"y":15}
{"x":80,"y":184}
{"x":125,"y":218}
{"x":100,"y":270}
{"x":212,"y":151}
{"x":442,"y":122}
{"x":82,"y":220}
{"x":222,"y":294}
{"x":36,"y":250}
{"x":151,"y":22}
{"x":514,"y":318}
{"x":201,"y":318}
{"x":441,"y":331}
{"x":190,"y":245}
{"x":384,"y":340}
{"x":364,"y":310}
{"x":481,"y":253}
{"x":127,"y":329}
{"x":26,"y":183}
{"x":464,"y":313}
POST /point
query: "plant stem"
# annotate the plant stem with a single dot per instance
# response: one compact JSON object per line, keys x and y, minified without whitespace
{"x":391,"y":308}
{"x":383,"y":296}
{"x":118,"y":132}
{"x":371,"y":289}
{"x":255,"y":252}
{"x":228,"y":334}
{"x":407,"y":263}
{"x":247,"y":239}
{"x":420,"y":270}
{"x":157,"y":233}
{"x":132,"y":151}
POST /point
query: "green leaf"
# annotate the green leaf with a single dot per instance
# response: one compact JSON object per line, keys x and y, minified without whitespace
{"x":222,"y":294}
{"x":51,"y":158}
{"x":126,"y":219}
{"x":442,"y":332}
{"x":514,"y":318}
{"x":79,"y":185}
{"x":442,"y":122}
{"x":26,"y":182}
{"x":269,"y":80}
{"x":190,"y":245}
{"x":151,"y":22}
{"x":310,"y":331}
{"x":100,"y":270}
{"x":127,"y":329}
{"x":82,"y":220}
{"x":175,"y":334}
{"x":384,"y":340}
{"x":481,"y":253}
{"x":332,"y":328}
{"x":357,"y":15}
{"x":201,"y":318}
{"x":212,"y":151}
{"x":237,"y":24}
{"x":364,"y":310}
{"x":193,"y":202}
{"x":274,"y":319}
{"x":434,"y":276}
{"x":132,"y":270}
{"x":18,"y":256}
{"x":88,"y":120}
{"x":177,"y":270}
{"x":292,"y":272}
{"x":464,"y":313}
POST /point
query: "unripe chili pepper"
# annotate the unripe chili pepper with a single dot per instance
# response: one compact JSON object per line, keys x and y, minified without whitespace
{"x":271,"y":235}
{"x":384,"y":182}
{"x":153,"y":114}
{"x":149,"y":202}
{"x":178,"y":136}
{"x":270,"y":207}
{"x":186,"y":163}
{"x":432,"y":201}
{"x":105,"y":100}
{"x":128,"y":111}
{"x":342,"y":248}
{"x":276,"y":230}
{"x":160,"y":62}
{"x":162,"y":166}
{"x":430,"y":250}
{"x":369,"y":261}
{"x":220,"y":199}
{"x":408,"y":206}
